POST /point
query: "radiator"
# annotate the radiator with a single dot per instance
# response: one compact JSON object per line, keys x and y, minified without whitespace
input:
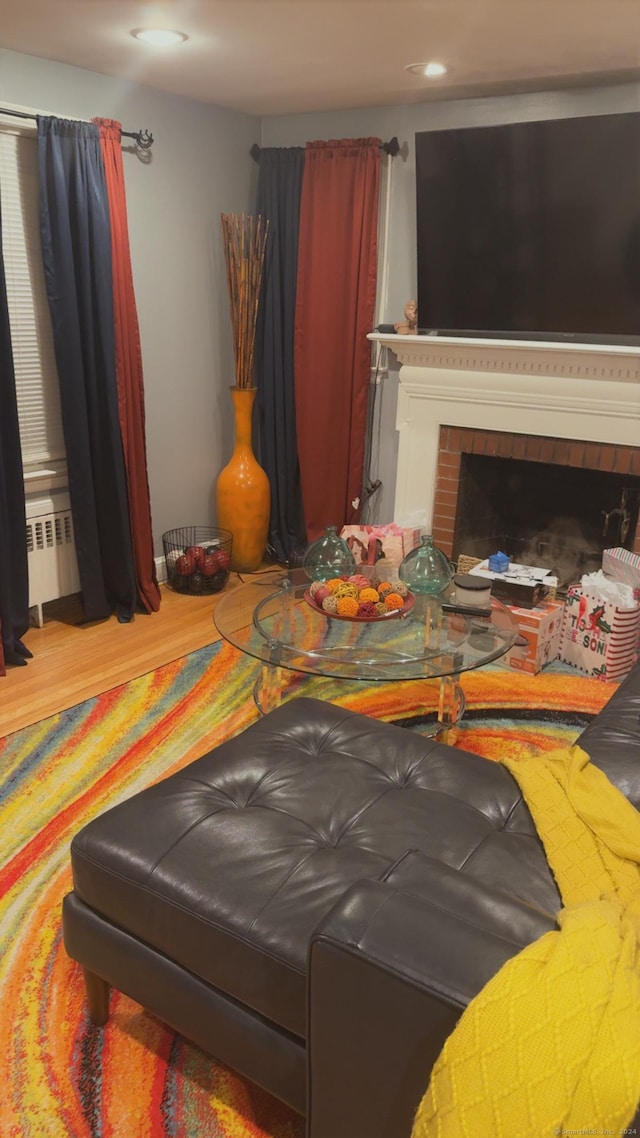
{"x":51,"y":553}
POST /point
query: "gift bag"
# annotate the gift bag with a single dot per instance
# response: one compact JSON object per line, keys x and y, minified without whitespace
{"x":599,"y":633}
{"x":383,"y":546}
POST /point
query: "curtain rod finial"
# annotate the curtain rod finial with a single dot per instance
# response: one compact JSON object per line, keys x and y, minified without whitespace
{"x":392,"y":147}
{"x":144,"y":139}
{"x":255,"y":151}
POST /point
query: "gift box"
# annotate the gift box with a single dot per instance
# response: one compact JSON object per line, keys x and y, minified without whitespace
{"x":523,"y":585}
{"x":384,"y":546}
{"x":538,"y":644}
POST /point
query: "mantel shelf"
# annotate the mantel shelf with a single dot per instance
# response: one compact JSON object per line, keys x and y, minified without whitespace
{"x":411,"y":343}
{"x":619,"y":362}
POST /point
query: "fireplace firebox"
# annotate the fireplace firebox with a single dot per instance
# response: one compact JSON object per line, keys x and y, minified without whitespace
{"x":561,"y":518}
{"x":553,"y":502}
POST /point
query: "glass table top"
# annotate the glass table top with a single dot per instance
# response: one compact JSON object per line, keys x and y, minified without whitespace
{"x":269,"y":618}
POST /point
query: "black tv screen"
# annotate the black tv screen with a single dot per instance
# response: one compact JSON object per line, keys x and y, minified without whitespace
{"x":531,"y":228}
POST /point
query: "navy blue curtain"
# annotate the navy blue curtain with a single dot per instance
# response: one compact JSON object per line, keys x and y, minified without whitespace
{"x":14,"y":578}
{"x":278,"y":199}
{"x":76,"y":249}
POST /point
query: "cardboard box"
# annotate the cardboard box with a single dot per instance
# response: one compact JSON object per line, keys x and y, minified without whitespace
{"x":522,"y":585}
{"x":540,"y":631}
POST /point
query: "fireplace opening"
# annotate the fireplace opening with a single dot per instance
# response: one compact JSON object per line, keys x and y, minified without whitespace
{"x":557,"y":517}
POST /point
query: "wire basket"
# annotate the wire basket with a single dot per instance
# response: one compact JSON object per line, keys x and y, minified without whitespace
{"x":466,"y":563}
{"x":198,"y":558}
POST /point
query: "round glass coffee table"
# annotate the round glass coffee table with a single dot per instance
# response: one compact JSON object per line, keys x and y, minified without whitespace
{"x":269,"y":618}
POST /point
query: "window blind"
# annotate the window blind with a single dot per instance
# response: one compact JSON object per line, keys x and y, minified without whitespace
{"x":37,"y":385}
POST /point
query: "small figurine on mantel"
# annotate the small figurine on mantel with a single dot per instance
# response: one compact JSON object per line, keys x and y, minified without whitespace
{"x":409,"y":326}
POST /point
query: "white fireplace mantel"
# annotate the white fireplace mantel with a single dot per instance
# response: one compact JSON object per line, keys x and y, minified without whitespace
{"x":560,"y":390}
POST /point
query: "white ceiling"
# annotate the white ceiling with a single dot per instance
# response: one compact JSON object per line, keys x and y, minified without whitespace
{"x":270,"y":57}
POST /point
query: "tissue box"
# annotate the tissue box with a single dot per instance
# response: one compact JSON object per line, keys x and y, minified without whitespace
{"x":540,"y":628}
{"x":522,"y":585}
{"x":499,"y":562}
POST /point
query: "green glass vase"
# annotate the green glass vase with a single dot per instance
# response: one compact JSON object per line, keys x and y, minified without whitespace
{"x":426,"y":570}
{"x":329,"y":556}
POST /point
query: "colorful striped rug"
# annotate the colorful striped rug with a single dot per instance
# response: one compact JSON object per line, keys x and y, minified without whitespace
{"x":60,"y":1077}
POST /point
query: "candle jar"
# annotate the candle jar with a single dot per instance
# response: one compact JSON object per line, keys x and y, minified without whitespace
{"x":472,"y":590}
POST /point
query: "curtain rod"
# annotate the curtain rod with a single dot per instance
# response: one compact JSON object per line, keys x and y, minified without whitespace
{"x":144,"y":139}
{"x":392,"y":147}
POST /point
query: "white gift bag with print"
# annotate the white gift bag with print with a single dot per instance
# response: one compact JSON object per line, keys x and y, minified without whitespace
{"x":599,"y":636}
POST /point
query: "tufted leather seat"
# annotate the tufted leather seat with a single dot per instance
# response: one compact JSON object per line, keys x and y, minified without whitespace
{"x":236,"y":898}
{"x":249,"y":847}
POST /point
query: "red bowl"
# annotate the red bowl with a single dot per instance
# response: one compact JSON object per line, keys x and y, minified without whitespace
{"x":409,"y":602}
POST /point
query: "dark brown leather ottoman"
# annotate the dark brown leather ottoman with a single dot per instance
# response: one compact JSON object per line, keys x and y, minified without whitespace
{"x":314,"y":902}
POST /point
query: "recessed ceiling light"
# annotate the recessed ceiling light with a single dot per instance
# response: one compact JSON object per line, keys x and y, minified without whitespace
{"x":430,"y":70}
{"x":159,"y":37}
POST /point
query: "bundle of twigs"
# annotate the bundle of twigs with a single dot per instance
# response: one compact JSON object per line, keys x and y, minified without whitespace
{"x":244,"y":240}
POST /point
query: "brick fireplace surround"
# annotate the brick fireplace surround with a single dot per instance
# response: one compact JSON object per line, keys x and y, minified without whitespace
{"x":571,"y":404}
{"x":456,"y":441}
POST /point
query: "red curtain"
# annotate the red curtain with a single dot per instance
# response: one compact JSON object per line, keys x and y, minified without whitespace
{"x":335,"y":300}
{"x":129,"y":369}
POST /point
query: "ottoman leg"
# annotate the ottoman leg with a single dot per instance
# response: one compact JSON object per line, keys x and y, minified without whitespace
{"x":97,"y":997}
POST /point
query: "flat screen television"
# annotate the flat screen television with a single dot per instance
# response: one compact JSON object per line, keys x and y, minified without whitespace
{"x":531,"y":229}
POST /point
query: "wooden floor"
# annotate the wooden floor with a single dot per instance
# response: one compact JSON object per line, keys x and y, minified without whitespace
{"x":73,"y":661}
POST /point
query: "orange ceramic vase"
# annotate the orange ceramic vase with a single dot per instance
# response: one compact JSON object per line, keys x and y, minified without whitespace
{"x":243,"y":496}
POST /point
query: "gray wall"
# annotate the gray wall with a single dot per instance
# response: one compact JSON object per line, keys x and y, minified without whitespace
{"x":384,"y":123}
{"x":199,"y":167}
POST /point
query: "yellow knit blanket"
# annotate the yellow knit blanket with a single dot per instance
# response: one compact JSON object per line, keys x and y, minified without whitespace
{"x":552,"y":1043}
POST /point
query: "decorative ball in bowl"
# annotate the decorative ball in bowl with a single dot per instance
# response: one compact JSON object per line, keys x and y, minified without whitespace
{"x":356,"y":597}
{"x":198,"y":558}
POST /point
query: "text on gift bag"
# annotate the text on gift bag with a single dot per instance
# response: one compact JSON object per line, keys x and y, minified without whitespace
{"x":598,"y":637}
